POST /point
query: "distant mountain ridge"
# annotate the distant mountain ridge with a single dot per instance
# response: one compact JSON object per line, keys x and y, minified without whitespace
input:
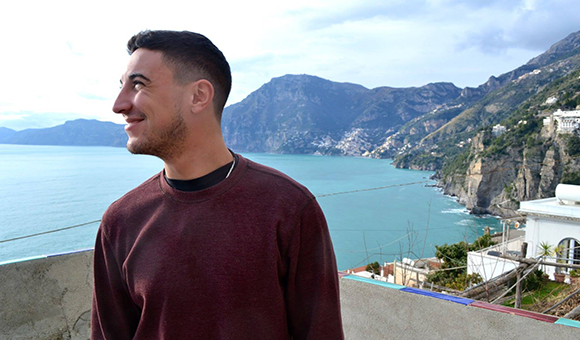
{"x":492,"y":173}
{"x":289,"y":114}
{"x":308,"y":114}
{"x":312,"y":115}
{"x":414,"y":146}
{"x":80,"y":132}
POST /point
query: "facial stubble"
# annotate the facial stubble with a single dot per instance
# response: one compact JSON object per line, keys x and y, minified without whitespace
{"x":165,"y":143}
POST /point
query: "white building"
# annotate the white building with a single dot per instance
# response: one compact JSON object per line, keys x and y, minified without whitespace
{"x":551,"y":100}
{"x":488,"y":263}
{"x":498,"y":130}
{"x":554,"y":221}
{"x":568,"y":121}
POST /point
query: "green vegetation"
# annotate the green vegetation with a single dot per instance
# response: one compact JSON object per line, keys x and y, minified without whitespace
{"x":459,"y":164}
{"x":545,"y":249}
{"x":524,"y":125}
{"x":502,"y":104}
{"x":524,"y":132}
{"x":374,"y":268}
{"x":570,"y":177}
{"x":422,"y":160}
{"x":454,"y":268}
{"x":573,"y":145}
{"x":538,"y":289}
{"x":569,"y":99}
{"x":508,"y":189}
{"x":534,"y":281}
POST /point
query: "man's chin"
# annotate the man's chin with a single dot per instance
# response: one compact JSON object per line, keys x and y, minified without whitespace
{"x":143,"y":149}
{"x":135,"y":148}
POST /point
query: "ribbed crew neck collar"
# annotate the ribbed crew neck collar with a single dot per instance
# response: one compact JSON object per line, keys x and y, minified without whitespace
{"x":205,"y":194}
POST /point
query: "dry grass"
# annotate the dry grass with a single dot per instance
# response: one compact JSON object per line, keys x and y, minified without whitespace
{"x":550,"y":300}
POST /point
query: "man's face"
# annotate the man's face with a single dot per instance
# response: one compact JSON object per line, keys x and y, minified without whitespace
{"x":153,"y":105}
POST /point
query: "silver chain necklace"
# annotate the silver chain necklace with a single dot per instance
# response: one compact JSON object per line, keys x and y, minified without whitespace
{"x":232,"y":168}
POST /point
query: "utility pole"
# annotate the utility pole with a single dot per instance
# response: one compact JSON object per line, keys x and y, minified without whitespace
{"x":518,"y":303}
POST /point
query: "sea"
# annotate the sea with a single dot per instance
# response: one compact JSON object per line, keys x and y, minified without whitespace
{"x":52,"y":198}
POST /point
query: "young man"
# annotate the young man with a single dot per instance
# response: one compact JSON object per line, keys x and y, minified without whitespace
{"x":214,"y":246}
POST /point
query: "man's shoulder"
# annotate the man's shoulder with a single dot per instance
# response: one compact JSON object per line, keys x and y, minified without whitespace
{"x":274,"y":180}
{"x":134,"y":198}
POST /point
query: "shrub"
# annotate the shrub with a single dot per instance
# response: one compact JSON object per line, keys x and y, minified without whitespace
{"x":570,"y":178}
{"x":573,"y":145}
{"x":374,"y":268}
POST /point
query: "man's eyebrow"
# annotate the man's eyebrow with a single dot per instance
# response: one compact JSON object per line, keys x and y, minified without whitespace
{"x":138,"y":75}
{"x":135,"y":75}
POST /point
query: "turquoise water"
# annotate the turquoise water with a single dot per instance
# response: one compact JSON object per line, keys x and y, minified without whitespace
{"x":43,"y":188}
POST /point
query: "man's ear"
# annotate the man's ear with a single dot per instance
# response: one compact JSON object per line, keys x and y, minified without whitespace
{"x":202,"y":92}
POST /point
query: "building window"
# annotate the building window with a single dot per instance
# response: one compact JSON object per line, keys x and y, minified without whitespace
{"x":570,"y":251}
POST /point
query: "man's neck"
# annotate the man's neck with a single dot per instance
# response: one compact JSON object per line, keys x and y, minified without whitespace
{"x":197,"y":163}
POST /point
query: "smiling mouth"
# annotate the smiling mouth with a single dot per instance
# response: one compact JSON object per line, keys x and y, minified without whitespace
{"x":133,"y":121}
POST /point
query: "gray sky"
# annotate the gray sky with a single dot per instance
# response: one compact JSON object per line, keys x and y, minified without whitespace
{"x":62,"y":60}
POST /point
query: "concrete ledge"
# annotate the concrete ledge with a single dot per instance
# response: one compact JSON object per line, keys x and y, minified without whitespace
{"x":47,"y":298}
{"x":50,"y":298}
{"x":374,"y":312}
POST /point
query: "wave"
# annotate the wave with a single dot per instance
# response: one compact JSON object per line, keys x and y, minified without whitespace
{"x":465,"y":222}
{"x":462,"y":211}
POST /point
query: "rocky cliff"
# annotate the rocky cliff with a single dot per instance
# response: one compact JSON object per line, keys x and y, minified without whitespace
{"x":496,"y":185}
{"x":523,"y":163}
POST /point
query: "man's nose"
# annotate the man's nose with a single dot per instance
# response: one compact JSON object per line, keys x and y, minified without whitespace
{"x":122,"y":103}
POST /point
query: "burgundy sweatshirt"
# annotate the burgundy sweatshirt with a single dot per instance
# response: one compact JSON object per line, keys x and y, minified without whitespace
{"x":249,"y":258}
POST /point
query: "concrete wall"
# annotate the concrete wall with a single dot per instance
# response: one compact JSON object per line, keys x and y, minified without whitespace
{"x":489,"y":267}
{"x":407,"y":275}
{"x":47,"y":298}
{"x":552,"y":231}
{"x":50,"y":299}
{"x":374,"y":312}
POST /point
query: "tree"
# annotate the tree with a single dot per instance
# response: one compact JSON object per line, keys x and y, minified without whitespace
{"x":545,"y":250}
{"x":455,"y":263}
{"x":573,"y":144}
{"x":374,"y":268}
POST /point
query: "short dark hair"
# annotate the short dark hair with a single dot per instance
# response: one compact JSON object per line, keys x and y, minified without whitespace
{"x":193,"y":57}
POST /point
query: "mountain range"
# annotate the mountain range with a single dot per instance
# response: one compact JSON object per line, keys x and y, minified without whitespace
{"x":432,"y":127}
{"x":308,"y":114}
{"x":82,"y":132}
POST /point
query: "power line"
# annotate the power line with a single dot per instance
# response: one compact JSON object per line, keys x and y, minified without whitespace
{"x":327,"y":195}
{"x":371,"y":189}
{"x":323,"y":195}
{"x":49,"y":231}
{"x":389,"y":230}
{"x":379,"y":247}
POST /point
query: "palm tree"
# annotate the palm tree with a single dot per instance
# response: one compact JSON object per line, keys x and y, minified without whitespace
{"x":558,"y":252}
{"x":546,"y":250}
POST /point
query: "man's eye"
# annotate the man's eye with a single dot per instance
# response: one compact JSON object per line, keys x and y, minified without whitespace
{"x":137,"y":84}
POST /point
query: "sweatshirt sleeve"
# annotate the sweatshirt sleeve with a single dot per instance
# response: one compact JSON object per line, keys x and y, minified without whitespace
{"x":312,"y":292}
{"x":113,"y":315}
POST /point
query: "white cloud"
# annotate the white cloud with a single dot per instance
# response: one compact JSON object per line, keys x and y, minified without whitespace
{"x":66,"y":56}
